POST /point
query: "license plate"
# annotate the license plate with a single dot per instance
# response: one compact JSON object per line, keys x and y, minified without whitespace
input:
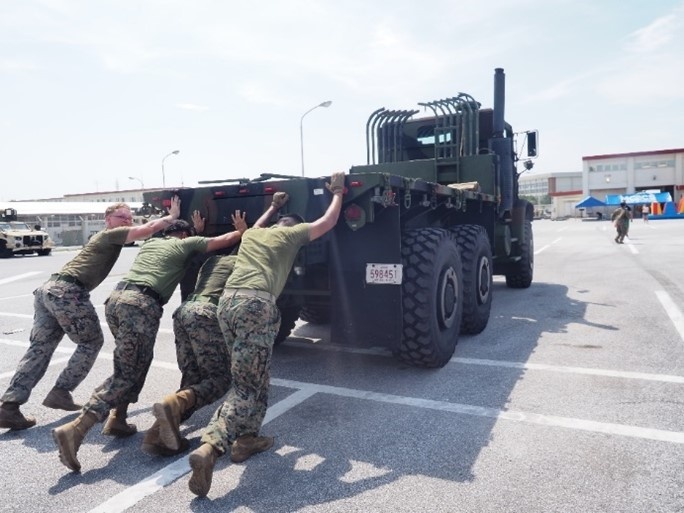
{"x":384,"y":274}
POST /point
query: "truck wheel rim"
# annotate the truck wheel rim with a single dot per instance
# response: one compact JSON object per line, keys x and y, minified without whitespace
{"x":448,"y":292}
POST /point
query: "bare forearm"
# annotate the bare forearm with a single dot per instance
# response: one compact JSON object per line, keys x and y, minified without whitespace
{"x":150,"y":228}
{"x":328,"y":220}
{"x":224,"y":241}
{"x":263,"y":220}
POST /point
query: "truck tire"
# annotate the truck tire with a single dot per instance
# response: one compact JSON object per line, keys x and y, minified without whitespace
{"x":519,"y":275}
{"x":476,"y":256}
{"x":288,"y":318}
{"x":44,"y":252}
{"x":432,"y":297}
{"x":315,"y":314}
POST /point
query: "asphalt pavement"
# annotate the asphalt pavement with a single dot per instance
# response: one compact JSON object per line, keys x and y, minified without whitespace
{"x":569,"y":401}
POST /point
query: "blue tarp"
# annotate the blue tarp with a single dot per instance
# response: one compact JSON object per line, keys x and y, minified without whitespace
{"x":590,"y":201}
{"x":638,"y":198}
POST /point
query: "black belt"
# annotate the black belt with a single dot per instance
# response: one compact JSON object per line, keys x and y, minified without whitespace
{"x":148,"y":291}
{"x":67,"y":278}
{"x":203,"y":299}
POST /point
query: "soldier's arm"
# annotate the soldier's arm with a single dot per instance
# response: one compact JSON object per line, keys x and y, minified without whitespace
{"x":146,"y":230}
{"x":327,"y":221}
{"x":231,"y":238}
{"x":279,"y":199}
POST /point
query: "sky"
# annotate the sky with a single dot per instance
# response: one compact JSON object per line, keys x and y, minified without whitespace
{"x":96,"y":92}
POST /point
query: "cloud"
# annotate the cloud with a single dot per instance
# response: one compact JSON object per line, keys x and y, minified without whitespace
{"x":655,"y":35}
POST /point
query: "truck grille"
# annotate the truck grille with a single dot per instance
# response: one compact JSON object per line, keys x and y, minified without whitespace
{"x":33,"y":240}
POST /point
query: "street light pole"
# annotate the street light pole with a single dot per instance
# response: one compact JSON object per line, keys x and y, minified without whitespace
{"x":174,"y":152}
{"x":301,"y":128}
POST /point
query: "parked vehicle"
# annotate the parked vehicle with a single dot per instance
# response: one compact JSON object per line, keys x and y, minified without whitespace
{"x":426,"y":223}
{"x":19,"y":238}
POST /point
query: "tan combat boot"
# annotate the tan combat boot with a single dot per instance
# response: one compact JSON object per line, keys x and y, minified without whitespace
{"x":60,"y":399}
{"x":202,"y":461}
{"x":69,"y":438}
{"x":12,"y":418}
{"x":116,"y":423}
{"x":247,"y":445}
{"x":168,"y":414}
{"x":151,"y":444}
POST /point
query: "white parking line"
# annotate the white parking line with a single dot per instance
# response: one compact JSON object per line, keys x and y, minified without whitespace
{"x":167,"y":475}
{"x":19,"y":277}
{"x":664,"y":378}
{"x":180,"y":467}
{"x":547,"y":246}
{"x":631,"y":246}
{"x":672,"y":310}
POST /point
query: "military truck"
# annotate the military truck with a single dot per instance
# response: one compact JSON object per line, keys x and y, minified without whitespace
{"x":426,"y":223}
{"x":19,"y":238}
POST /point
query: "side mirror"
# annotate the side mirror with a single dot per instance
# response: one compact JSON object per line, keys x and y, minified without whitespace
{"x":532,"y":138}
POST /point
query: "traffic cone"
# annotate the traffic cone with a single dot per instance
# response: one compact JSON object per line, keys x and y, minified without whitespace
{"x":680,"y":206}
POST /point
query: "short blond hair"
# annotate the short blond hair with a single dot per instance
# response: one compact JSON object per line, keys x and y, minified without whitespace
{"x":116,"y":206}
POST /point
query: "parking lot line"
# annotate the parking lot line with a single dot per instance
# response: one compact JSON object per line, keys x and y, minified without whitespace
{"x":672,"y":310}
{"x":18,"y":277}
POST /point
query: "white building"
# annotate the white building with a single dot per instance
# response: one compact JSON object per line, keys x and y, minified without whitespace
{"x":564,"y":189}
{"x":627,"y":173}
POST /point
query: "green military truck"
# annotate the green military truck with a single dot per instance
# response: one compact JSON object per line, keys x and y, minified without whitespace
{"x":18,"y":238}
{"x":426,"y":223}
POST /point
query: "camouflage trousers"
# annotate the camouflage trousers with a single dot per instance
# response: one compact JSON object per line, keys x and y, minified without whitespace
{"x":249,"y":326}
{"x":60,"y":308}
{"x":201,"y":352}
{"x":133,"y":319}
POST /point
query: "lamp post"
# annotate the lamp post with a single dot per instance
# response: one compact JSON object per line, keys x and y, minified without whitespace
{"x":301,"y":128}
{"x":174,"y":152}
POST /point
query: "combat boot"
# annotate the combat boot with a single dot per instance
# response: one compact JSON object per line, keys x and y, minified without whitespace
{"x":12,"y":418}
{"x":116,"y":423}
{"x":151,"y":444}
{"x":202,"y":461}
{"x":60,"y":399}
{"x":168,"y":414}
{"x":247,"y":445}
{"x":69,"y":438}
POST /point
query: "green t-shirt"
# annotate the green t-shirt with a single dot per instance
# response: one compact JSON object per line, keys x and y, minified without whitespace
{"x":266,"y":256}
{"x":213,"y":275}
{"x":94,"y":262}
{"x":161,"y":261}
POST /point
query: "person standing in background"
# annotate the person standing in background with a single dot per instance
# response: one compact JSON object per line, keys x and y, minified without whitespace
{"x":620,"y":218}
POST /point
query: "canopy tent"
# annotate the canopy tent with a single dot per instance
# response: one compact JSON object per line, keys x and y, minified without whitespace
{"x":638,"y":198}
{"x":590,"y":201}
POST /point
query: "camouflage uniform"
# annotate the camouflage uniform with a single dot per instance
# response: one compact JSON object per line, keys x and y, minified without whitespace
{"x":200,"y":348}
{"x":133,"y":317}
{"x":621,"y":218}
{"x":249,"y":325}
{"x":62,"y":305}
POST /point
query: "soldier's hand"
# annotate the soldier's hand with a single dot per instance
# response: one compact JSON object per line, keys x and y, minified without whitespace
{"x":239,"y":221}
{"x":198,"y":221}
{"x":279,"y":199}
{"x":336,"y":183}
{"x":174,"y":209}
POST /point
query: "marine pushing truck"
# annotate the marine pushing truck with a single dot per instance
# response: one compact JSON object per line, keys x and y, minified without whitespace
{"x":426,"y":223}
